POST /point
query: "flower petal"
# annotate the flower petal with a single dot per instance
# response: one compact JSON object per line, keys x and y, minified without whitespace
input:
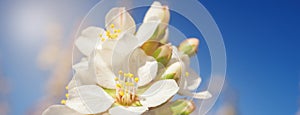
{"x":197,"y":95}
{"x":104,"y":56}
{"x":83,"y":64}
{"x":192,"y":81}
{"x":82,"y":77}
{"x":89,"y":99}
{"x":147,"y":73}
{"x":137,"y":58}
{"x":161,"y":14}
{"x":142,"y":65}
{"x":104,"y":75}
{"x":159,"y":93}
{"x":202,"y":95}
{"x":165,"y":38}
{"x":145,"y":31}
{"x":88,"y":39}
{"x":121,"y":19}
{"x":109,"y":44}
{"x":124,"y":47}
{"x":177,"y":54}
{"x":121,"y":110}
{"x":155,"y":13}
{"x":60,"y":110}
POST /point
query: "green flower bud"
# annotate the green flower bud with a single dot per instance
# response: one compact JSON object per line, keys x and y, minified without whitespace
{"x":172,"y":72}
{"x":163,"y":54}
{"x":150,"y":46}
{"x":182,"y":107}
{"x":189,"y":46}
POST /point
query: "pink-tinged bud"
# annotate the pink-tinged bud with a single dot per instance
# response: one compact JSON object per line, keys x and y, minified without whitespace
{"x":182,"y":107}
{"x":150,"y":46}
{"x":163,"y":54}
{"x":189,"y":46}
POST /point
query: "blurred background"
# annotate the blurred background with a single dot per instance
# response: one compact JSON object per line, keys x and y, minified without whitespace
{"x":261,"y":38}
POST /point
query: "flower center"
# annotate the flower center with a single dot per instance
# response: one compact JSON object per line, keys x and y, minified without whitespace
{"x":110,"y":33}
{"x":126,"y":86}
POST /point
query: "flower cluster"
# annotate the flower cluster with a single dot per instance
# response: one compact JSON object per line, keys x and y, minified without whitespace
{"x":131,"y":72}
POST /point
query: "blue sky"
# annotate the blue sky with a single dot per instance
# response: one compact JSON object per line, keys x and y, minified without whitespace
{"x":263,"y":52}
{"x":261,"y":38}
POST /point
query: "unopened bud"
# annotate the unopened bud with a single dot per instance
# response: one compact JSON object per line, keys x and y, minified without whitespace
{"x":150,"y":46}
{"x":163,"y":54}
{"x":172,"y":72}
{"x":189,"y":46}
{"x":182,"y":107}
{"x":158,"y":13}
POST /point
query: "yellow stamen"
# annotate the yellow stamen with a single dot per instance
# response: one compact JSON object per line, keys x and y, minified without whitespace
{"x":63,"y":102}
{"x":116,"y":79}
{"x":136,"y":79}
{"x":120,"y":72}
{"x":115,"y":31}
{"x":129,"y":84}
{"x":118,"y":85}
{"x":121,"y":93}
{"x":112,"y":25}
{"x":125,"y":75}
{"x":102,"y":39}
{"x":100,"y":35}
{"x":187,"y":74}
{"x":130,"y":75}
{"x":66,"y":87}
{"x":107,"y":33}
{"x":114,"y":36}
{"x":67,"y":95}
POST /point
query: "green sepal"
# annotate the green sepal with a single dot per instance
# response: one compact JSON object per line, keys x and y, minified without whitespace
{"x":169,"y":76}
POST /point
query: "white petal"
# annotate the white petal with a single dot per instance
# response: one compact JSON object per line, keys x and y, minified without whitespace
{"x":138,"y":58}
{"x":60,"y":110}
{"x":192,"y":81}
{"x":175,"y":52}
{"x":121,"y":110}
{"x":176,"y":55}
{"x":109,"y":44}
{"x":88,"y":39}
{"x":196,"y":95}
{"x":154,"y":13}
{"x":143,"y":66}
{"x":124,"y":47}
{"x":83,"y":64}
{"x":92,"y":32}
{"x":158,"y":13}
{"x":147,"y":73}
{"x":159,"y":93}
{"x":145,"y":31}
{"x":121,"y":19}
{"x":186,"y":60}
{"x":202,"y":95}
{"x":106,"y":56}
{"x":82,"y":77}
{"x":165,"y":37}
{"x":104,"y":75}
{"x":89,"y":99}
{"x":176,"y":68}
